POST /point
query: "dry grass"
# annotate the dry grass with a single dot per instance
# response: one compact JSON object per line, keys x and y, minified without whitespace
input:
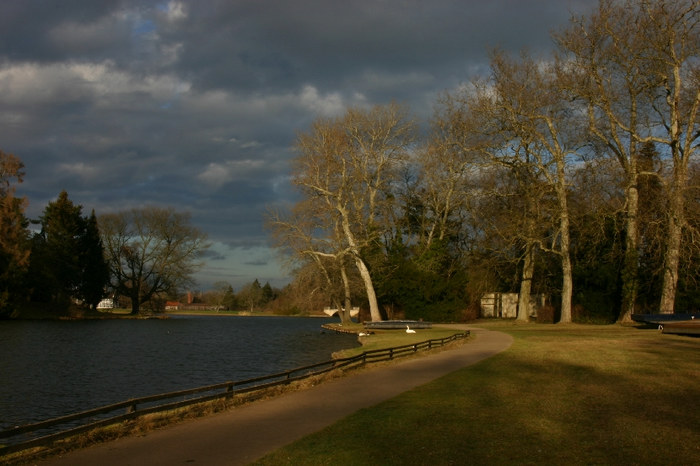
{"x":561,"y":395}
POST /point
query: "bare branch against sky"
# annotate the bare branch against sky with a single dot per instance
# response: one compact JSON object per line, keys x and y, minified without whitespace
{"x":195,"y":105}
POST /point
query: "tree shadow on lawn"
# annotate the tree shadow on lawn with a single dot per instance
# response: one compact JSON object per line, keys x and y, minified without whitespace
{"x":597,"y":401}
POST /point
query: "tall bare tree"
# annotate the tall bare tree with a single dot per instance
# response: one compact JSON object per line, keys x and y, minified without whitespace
{"x":673,"y":49}
{"x":346,"y":166}
{"x":448,"y":166}
{"x":305,"y":235}
{"x":634,"y":63}
{"x":150,"y":251}
{"x":456,"y":171}
{"x":527,"y":120}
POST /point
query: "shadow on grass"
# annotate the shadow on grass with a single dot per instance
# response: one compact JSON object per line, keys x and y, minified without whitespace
{"x":568,"y":397}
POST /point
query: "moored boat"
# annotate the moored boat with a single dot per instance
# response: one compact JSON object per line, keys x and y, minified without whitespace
{"x":663,"y":318}
{"x":686,"y":327}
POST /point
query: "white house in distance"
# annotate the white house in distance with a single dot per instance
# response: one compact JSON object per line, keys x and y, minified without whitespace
{"x":107,"y":303}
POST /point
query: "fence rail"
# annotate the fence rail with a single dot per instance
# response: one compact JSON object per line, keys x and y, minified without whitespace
{"x":38,"y":434}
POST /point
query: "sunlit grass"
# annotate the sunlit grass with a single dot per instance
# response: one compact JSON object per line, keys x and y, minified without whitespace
{"x":560,"y":395}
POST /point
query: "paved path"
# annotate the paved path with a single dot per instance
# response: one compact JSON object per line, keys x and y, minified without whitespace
{"x":246,"y":433}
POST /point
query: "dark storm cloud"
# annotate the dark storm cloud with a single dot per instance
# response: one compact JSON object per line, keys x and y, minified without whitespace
{"x":278,"y":43}
{"x":195,"y":104}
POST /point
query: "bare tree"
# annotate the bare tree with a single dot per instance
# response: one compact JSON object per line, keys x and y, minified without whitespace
{"x":526,"y":119}
{"x":673,"y":46}
{"x":305,"y":235}
{"x":448,"y":166}
{"x":634,"y":63}
{"x":346,"y":167}
{"x":251,"y":295}
{"x":218,"y":294}
{"x":456,"y":171}
{"x":150,"y":251}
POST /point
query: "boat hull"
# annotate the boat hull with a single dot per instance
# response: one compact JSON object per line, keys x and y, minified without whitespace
{"x":663,"y":318}
{"x":688,"y":327}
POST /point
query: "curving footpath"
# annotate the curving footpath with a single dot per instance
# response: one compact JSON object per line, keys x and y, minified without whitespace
{"x":244,"y":434}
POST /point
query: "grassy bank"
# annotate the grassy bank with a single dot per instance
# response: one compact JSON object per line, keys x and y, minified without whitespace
{"x":561,"y":395}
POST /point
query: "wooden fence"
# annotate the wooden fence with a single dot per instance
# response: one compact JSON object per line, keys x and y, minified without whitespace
{"x":44,"y":433}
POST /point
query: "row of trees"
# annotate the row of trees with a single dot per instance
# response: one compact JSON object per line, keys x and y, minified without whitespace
{"x":145,"y":254}
{"x":252,"y":296}
{"x":66,"y":262}
{"x":574,"y":174}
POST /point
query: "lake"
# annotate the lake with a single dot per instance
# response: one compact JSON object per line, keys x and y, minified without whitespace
{"x":53,"y":368}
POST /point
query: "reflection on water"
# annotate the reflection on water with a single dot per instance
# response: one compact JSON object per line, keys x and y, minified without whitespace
{"x":52,"y":368}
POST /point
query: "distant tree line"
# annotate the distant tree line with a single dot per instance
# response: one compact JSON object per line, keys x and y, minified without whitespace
{"x":74,"y":261}
{"x":251,"y":297}
{"x":575,"y":175}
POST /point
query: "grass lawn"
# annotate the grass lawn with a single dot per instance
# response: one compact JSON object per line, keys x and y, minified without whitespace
{"x":562,"y":394}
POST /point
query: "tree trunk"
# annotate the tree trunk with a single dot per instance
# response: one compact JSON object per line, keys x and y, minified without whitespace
{"x":369,"y":288}
{"x":630,"y":279}
{"x":681,"y":156}
{"x":564,"y":249}
{"x":345,"y":317}
{"x":361,"y":266}
{"x":673,"y":248}
{"x":134,"y":294}
{"x":526,"y":283}
{"x":566,"y":289}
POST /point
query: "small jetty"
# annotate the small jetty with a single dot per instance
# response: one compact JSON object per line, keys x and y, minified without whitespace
{"x":338,"y":328}
{"x":397,"y":324}
{"x":381,"y":325}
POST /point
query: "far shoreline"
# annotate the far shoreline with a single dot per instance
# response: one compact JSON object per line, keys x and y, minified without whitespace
{"x":38,"y":314}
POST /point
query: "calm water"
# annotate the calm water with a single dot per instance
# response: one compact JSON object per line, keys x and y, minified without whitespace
{"x":49,"y":369}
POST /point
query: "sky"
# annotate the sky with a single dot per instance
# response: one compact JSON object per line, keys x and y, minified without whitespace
{"x":195,"y":105}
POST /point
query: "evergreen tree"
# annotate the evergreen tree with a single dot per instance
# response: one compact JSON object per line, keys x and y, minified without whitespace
{"x":67,"y":262}
{"x":95,"y":270}
{"x":55,"y":264}
{"x":268,"y":294}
